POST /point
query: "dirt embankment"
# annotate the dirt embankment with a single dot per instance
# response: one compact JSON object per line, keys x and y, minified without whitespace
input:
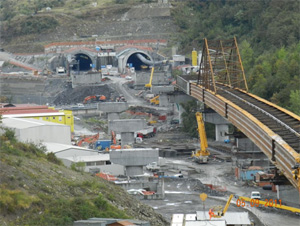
{"x":45,"y":182}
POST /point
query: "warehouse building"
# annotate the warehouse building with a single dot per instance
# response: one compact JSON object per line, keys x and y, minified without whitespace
{"x":38,"y":131}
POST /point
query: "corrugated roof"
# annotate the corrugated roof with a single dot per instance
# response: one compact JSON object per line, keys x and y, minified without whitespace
{"x":89,"y":158}
{"x":23,"y":123}
{"x":49,"y":114}
{"x":56,"y":147}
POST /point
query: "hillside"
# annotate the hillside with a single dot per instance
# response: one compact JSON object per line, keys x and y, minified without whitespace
{"x":268,"y":36}
{"x":27,"y":27}
{"x":36,"y":189}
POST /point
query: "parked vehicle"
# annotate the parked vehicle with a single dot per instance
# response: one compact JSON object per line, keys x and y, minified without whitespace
{"x":146,"y":133}
{"x":153,"y":167}
{"x":255,"y":195}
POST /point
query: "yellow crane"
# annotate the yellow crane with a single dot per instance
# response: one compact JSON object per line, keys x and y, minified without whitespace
{"x":201,"y":156}
{"x":220,"y":212}
{"x":149,"y":85}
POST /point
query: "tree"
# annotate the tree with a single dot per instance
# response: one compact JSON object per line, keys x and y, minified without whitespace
{"x":295,"y":101}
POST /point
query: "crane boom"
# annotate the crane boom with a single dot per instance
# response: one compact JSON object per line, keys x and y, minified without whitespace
{"x":201,"y":155}
{"x":149,"y":85}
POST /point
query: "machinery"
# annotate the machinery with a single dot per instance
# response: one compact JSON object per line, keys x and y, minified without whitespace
{"x":146,"y":133}
{"x":155,"y":100}
{"x":253,"y":203}
{"x":220,"y":211}
{"x":114,"y":141}
{"x":149,"y":85}
{"x":201,"y":156}
{"x":90,"y":140}
{"x":95,"y":98}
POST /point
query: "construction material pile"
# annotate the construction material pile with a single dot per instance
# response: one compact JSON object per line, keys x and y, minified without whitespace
{"x":77,"y":95}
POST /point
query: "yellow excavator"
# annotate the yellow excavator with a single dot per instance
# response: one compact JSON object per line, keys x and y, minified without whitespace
{"x":201,"y":156}
{"x":218,"y":211}
{"x":155,"y":100}
{"x":149,"y":85}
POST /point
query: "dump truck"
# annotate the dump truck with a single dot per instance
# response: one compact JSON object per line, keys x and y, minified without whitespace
{"x":146,"y":133}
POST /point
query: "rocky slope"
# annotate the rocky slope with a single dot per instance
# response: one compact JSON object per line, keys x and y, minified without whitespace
{"x":36,"y":190}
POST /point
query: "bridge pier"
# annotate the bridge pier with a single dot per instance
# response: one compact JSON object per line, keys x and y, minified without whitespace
{"x":221,"y":125}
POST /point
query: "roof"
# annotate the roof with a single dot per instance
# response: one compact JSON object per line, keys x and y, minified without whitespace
{"x":56,"y":147}
{"x":232,"y":218}
{"x":24,"y":123}
{"x":88,"y":158}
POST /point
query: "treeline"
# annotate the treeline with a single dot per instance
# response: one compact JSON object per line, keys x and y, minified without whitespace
{"x":268,"y":36}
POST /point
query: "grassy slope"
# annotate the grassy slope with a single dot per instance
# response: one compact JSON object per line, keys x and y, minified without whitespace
{"x":36,"y":191}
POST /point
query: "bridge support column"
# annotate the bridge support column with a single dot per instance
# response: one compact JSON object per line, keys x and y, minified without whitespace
{"x":221,"y":131}
{"x":127,"y":138}
{"x":221,"y":125}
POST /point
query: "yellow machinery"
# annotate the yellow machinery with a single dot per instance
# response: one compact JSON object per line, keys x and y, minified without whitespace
{"x":149,"y":85}
{"x":253,"y":203}
{"x":155,"y":100}
{"x":201,"y":156}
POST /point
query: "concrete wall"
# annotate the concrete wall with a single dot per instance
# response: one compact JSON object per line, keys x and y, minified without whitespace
{"x":113,"y":107}
{"x":162,"y":89}
{"x":246,"y":144}
{"x":55,"y":134}
{"x":86,"y":79}
{"x":143,"y":78}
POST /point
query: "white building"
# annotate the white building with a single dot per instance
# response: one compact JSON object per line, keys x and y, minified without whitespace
{"x":38,"y":131}
{"x":94,"y":161}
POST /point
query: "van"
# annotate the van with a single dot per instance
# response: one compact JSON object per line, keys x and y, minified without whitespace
{"x":255,"y":195}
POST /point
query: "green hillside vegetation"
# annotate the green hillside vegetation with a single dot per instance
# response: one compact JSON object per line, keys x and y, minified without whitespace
{"x":36,"y":189}
{"x":268,"y":36}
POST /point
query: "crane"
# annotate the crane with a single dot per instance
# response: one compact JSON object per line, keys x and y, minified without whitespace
{"x":220,"y":212}
{"x":149,"y":85}
{"x":201,"y":156}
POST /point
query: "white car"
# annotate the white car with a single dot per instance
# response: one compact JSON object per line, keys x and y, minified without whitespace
{"x":255,"y":195}
{"x":128,"y":77}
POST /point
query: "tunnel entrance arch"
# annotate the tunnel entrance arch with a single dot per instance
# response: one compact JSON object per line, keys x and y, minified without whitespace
{"x":136,"y":58}
{"x":82,"y":62}
{"x":136,"y":62}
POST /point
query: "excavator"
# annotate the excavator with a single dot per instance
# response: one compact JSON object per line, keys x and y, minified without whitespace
{"x":90,"y":140}
{"x":220,"y":212}
{"x":155,"y":100}
{"x":114,"y":141}
{"x":94,"y":98}
{"x":201,"y":156}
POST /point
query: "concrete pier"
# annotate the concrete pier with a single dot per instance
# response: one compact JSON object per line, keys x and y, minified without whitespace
{"x":134,"y":159}
{"x":220,"y":123}
{"x":127,"y":127}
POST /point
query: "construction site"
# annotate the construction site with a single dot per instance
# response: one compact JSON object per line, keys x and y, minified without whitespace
{"x":115,"y":109}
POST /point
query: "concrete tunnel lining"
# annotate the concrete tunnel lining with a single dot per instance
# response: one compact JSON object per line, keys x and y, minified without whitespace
{"x":136,"y":61}
{"x":84,"y":62}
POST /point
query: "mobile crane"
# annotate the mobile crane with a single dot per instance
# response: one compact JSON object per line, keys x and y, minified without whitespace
{"x":201,"y":156}
{"x":220,"y":212}
{"x":149,"y":85}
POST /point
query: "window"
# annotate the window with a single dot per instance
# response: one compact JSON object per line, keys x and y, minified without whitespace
{"x":98,"y":163}
{"x":53,"y":117}
{"x":91,"y":163}
{"x":60,"y":118}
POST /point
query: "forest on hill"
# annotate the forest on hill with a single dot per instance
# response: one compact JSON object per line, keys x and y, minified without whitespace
{"x":268,"y":35}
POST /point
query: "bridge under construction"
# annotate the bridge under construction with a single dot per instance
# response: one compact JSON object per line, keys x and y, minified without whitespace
{"x":221,"y":85}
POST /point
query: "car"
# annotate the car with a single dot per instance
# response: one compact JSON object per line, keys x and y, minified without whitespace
{"x":255,"y":195}
{"x":128,"y":77}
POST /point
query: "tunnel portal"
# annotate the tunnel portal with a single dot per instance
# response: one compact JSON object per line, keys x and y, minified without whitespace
{"x":135,"y":62}
{"x":84,"y":62}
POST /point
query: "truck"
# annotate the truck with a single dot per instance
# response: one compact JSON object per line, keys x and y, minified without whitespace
{"x":146,"y":133}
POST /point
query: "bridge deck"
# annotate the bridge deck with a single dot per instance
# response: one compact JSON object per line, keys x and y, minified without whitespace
{"x":273,"y":129}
